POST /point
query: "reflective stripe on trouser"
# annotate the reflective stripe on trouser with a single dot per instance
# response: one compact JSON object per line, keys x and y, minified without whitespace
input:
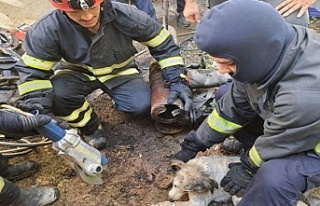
{"x":1,"y":184}
{"x":71,"y":89}
{"x":280,"y":181}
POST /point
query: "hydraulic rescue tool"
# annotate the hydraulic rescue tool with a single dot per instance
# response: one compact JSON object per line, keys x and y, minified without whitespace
{"x":86,"y":160}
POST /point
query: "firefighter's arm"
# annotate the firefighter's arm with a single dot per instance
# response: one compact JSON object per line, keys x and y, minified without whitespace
{"x":13,"y":124}
{"x":163,"y":48}
{"x":35,"y":69}
{"x":35,"y":88}
{"x":167,"y":53}
{"x":219,"y":124}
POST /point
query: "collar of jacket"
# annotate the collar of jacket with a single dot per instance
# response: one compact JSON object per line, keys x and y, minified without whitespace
{"x":108,"y":12}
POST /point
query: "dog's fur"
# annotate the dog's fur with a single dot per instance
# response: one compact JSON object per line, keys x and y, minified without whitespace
{"x":199,"y":178}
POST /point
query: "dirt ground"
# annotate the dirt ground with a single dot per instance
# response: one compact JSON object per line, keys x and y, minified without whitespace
{"x":138,"y":171}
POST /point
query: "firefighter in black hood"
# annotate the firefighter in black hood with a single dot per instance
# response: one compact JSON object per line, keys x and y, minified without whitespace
{"x":276,"y":70}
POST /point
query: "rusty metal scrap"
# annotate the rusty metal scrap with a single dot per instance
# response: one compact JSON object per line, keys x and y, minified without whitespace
{"x":204,"y":78}
{"x":161,"y":111}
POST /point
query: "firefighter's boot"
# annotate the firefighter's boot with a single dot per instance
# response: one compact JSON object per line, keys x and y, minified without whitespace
{"x":232,"y":145}
{"x":14,"y":172}
{"x":97,"y":139}
{"x":37,"y":196}
{"x":12,"y":195}
{"x":182,"y":20}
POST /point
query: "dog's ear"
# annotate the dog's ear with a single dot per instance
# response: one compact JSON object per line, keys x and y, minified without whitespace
{"x":202,"y":185}
{"x":213,"y":185}
{"x":176,"y":165}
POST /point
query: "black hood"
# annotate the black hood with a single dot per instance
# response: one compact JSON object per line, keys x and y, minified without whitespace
{"x":250,"y":32}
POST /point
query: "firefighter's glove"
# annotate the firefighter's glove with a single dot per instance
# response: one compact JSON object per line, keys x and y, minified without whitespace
{"x":182,"y":91}
{"x":239,"y":176}
{"x":179,"y":88}
{"x":37,"y":108}
{"x":25,"y":106}
{"x":41,"y":102}
{"x":15,"y":125}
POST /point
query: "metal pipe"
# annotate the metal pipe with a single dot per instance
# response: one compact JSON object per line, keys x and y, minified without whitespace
{"x":169,"y":118}
{"x":161,"y":111}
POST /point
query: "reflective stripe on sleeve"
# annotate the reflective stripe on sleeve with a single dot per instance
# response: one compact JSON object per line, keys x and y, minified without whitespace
{"x":221,"y":125}
{"x":255,"y":157}
{"x":317,"y":149}
{"x":38,"y":63}
{"x":172,"y":61}
{"x":34,"y":85}
{"x":159,"y":39}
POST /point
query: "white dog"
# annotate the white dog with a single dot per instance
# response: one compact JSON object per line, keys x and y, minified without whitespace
{"x":199,"y":178}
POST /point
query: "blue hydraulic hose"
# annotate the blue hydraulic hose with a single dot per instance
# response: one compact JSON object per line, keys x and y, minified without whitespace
{"x":52,"y":131}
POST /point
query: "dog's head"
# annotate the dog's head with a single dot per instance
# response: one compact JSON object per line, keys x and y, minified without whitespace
{"x":189,"y":178}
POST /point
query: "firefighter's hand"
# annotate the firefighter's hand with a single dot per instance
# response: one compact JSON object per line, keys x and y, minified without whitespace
{"x":182,"y":91}
{"x":25,"y":106}
{"x":39,"y":101}
{"x":239,"y":176}
{"x":13,"y":124}
{"x":191,"y":12}
{"x":29,"y":106}
{"x":287,"y":7}
{"x":179,"y":88}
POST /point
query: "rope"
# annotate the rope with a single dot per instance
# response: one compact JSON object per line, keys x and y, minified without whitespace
{"x":21,"y":147}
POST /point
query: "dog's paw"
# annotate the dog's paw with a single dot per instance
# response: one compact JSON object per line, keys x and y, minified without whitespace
{"x":165,"y":203}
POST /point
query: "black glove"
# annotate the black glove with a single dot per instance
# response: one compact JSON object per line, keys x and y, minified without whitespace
{"x":239,"y":176}
{"x":178,"y":86}
{"x":13,"y":124}
{"x":183,"y":91}
{"x":40,"y":101}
